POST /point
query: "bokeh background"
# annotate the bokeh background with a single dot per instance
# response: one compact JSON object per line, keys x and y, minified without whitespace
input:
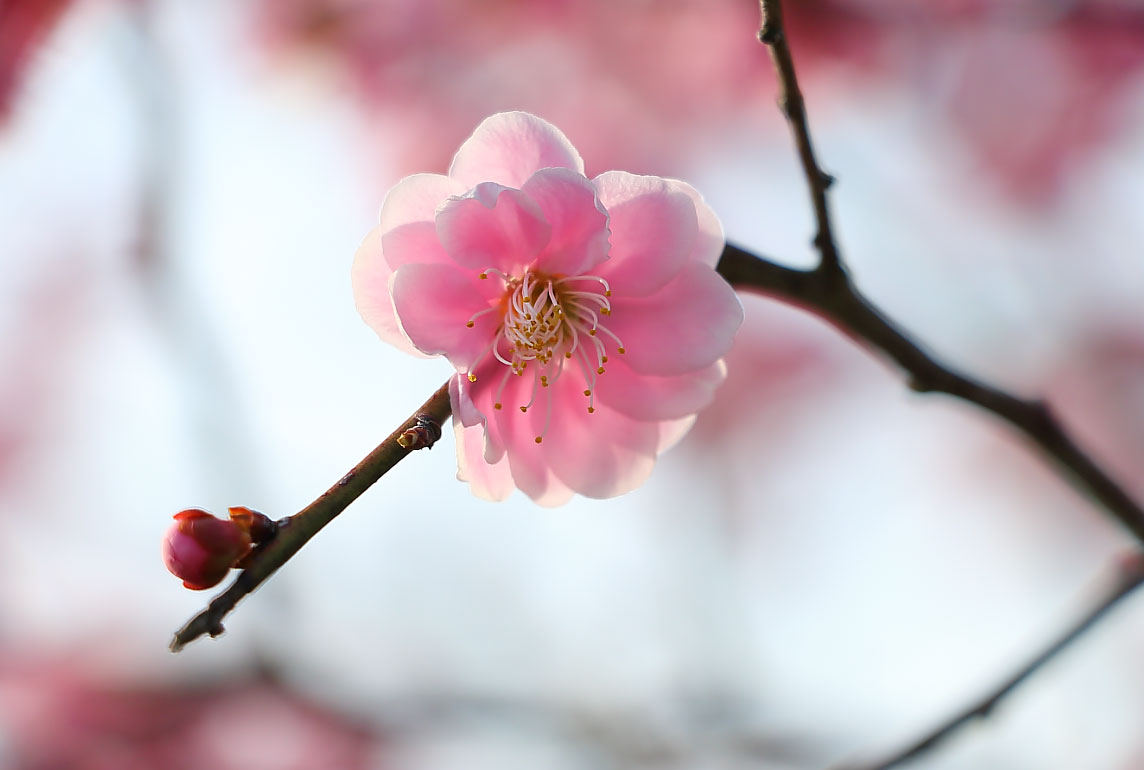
{"x":826,"y":565}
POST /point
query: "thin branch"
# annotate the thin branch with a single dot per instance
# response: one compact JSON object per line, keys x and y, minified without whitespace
{"x":840,"y":303}
{"x":420,"y":430}
{"x":1128,"y":576}
{"x":773,"y":34}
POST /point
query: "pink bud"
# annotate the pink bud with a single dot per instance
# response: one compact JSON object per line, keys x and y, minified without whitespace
{"x":200,"y":549}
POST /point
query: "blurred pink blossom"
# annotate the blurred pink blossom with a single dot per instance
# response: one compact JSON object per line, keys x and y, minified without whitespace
{"x":23,"y":24}
{"x":584,"y":317}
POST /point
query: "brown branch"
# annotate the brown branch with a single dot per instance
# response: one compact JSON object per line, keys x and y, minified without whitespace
{"x":773,"y":34}
{"x":1128,"y":576}
{"x":418,"y":431}
{"x":840,"y":303}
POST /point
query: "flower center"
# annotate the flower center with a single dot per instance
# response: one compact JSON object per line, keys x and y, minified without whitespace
{"x":550,"y":322}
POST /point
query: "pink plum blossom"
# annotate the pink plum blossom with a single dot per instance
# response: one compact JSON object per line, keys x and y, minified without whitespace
{"x":584,"y":316}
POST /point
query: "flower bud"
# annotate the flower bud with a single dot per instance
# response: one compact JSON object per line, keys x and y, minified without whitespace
{"x":200,"y":549}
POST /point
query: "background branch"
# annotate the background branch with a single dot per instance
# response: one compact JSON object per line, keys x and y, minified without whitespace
{"x":295,"y":531}
{"x":829,"y":291}
{"x":1128,"y":577}
{"x":773,"y":34}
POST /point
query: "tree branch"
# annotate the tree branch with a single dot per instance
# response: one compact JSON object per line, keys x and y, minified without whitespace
{"x":772,"y":33}
{"x":1128,"y":576}
{"x":840,"y":303}
{"x":420,"y":430}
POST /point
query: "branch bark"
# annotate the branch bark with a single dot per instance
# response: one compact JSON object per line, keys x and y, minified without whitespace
{"x":295,"y":531}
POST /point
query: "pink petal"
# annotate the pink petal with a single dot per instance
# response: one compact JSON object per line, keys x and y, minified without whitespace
{"x":672,"y":431}
{"x":597,"y":455}
{"x":487,"y":481}
{"x":709,"y":242}
{"x":369,"y":277}
{"x":407,"y":219}
{"x":416,"y":199}
{"x":654,"y":229}
{"x":509,"y":147}
{"x":531,"y":469}
{"x":473,"y":403}
{"x":688,"y":325}
{"x":579,"y":222}
{"x":492,"y":227}
{"x":647,"y":397}
{"x":433,"y":304}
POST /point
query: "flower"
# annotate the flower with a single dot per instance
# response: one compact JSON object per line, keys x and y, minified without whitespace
{"x":200,"y":549}
{"x":584,"y":316}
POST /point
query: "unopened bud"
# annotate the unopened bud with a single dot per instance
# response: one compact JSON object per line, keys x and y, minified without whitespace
{"x":200,"y":549}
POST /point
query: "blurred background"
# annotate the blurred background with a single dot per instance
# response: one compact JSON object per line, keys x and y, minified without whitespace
{"x":825,"y":566}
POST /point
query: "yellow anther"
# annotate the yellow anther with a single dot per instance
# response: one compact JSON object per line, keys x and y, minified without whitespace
{"x":588,"y":392}
{"x":483,"y":276}
{"x":605,"y":311}
{"x":568,"y":354}
{"x":600,"y":370}
{"x":621,"y":351}
{"x":591,"y":409}
{"x":538,"y":439}
{"x":472,"y":377}
{"x":608,"y":293}
{"x":469,"y":324}
{"x":524,"y":409}
{"x":591,"y":332}
{"x":497,"y":405}
{"x":603,"y":359}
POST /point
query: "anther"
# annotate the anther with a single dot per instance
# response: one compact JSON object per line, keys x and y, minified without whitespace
{"x":568,"y":354}
{"x":600,"y":370}
{"x":591,"y":409}
{"x":588,"y":392}
{"x":472,"y":377}
{"x":603,"y":359}
{"x":538,"y":439}
{"x":498,"y":405}
{"x":483,"y":276}
{"x":591,"y":332}
{"x":621,"y":351}
{"x":608,"y":293}
{"x":524,"y":409}
{"x":469,"y":324}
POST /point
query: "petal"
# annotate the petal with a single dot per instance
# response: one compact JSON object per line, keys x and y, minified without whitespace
{"x":369,"y":277}
{"x":688,"y":325}
{"x":672,"y":431}
{"x":416,"y":199}
{"x":599,"y":455}
{"x":579,"y":222}
{"x":487,"y":481}
{"x":473,"y":403}
{"x":492,"y":227}
{"x":654,"y":229}
{"x":528,"y":461}
{"x":647,"y":397}
{"x":509,"y":147}
{"x":434,"y":303}
{"x":407,"y":219}
{"x":710,"y":240}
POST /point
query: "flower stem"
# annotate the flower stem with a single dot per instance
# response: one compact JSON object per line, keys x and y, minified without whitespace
{"x":295,"y":531}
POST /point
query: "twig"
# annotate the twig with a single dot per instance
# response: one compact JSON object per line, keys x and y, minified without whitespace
{"x":840,"y":303}
{"x":1128,"y":577}
{"x":773,"y":34}
{"x":295,"y":531}
{"x":829,"y":291}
